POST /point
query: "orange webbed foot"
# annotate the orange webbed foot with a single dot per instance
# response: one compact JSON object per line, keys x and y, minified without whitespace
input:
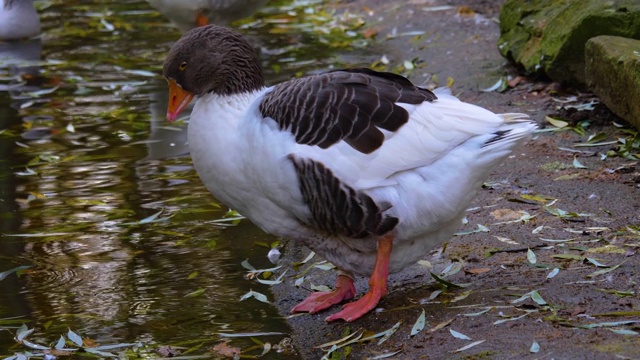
{"x":377,"y":285}
{"x":318,"y":301}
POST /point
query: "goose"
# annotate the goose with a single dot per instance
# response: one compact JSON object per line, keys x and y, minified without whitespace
{"x":187,"y":14}
{"x":18,"y":20}
{"x":363,"y":167}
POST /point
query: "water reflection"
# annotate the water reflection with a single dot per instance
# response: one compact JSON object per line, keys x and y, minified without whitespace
{"x":85,"y":155}
{"x":187,"y":14}
{"x":165,"y":140}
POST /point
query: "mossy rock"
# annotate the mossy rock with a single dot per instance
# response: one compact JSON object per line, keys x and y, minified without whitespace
{"x":613,"y":73}
{"x":548,"y":37}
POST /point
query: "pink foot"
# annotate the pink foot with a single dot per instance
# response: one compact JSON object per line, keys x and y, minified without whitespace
{"x":318,"y":301}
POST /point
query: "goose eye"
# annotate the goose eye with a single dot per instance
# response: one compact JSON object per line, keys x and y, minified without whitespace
{"x":182,"y":66}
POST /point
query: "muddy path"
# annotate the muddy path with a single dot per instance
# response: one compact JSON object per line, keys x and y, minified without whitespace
{"x":574,"y":210}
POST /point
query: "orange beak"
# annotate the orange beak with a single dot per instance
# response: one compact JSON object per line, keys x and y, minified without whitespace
{"x":178,"y":100}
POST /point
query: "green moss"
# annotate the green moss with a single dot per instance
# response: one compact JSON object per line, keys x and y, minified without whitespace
{"x":548,"y":37}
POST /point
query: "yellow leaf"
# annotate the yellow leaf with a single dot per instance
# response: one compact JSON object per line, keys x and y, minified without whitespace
{"x":607,"y":249}
{"x":557,"y":123}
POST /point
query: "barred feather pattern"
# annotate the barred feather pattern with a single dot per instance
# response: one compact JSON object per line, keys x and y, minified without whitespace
{"x":350,"y":105}
{"x":335,"y":207}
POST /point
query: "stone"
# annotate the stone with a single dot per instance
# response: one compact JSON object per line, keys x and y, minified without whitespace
{"x":548,"y":38}
{"x":612,"y":69}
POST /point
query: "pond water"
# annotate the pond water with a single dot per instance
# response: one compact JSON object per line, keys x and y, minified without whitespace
{"x":97,"y":192}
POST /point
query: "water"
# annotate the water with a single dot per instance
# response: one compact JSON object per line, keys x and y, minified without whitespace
{"x":87,"y":159}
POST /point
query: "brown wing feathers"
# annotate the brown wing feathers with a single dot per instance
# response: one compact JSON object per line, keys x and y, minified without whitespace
{"x":345,"y":105}
{"x":335,"y":207}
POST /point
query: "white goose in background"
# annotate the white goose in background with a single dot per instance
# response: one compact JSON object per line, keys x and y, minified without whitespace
{"x":18,"y":20}
{"x":363,"y":167}
{"x":187,"y":14}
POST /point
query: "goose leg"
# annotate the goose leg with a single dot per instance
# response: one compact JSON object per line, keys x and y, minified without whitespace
{"x":377,"y":285}
{"x":317,"y":301}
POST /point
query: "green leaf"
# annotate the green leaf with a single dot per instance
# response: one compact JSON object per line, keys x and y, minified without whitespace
{"x":596,"y":263}
{"x":385,"y":356}
{"x":577,"y":164}
{"x":531,"y":256}
{"x":604,"y":271}
{"x":34,"y":345}
{"x":99,"y":352}
{"x":4,"y":274}
{"x":253,"y":294}
{"x":195,"y":293}
{"x":553,"y":273}
{"x":448,"y":283}
{"x":522,"y":298}
{"x":610,"y":324}
{"x":462,"y":296}
{"x":347,"y":339}
{"x":535,"y":347}
{"x":535,"y":296}
{"x":23,"y":332}
{"x":117,"y":346}
{"x":458,"y":335}
{"x":568,"y":257}
{"x":479,"y":312}
{"x":480,"y":228}
{"x":419,"y":324}
{"x":75,"y":338}
{"x":272,"y":282}
{"x":468,"y":346}
{"x":245,"y":264}
{"x":557,"y":123}
{"x":387,"y":333}
{"x":151,"y":218}
{"x":594,"y":138}
{"x":60,"y":344}
{"x":324,"y":266}
{"x":497,"y":322}
{"x":249,"y":334}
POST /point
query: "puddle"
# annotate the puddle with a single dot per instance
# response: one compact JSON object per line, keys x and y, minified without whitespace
{"x":87,"y":160}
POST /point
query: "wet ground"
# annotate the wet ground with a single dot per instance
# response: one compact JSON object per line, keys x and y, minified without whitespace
{"x":547,"y":264}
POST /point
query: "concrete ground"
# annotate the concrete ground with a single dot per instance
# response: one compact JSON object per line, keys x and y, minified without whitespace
{"x":581,"y":221}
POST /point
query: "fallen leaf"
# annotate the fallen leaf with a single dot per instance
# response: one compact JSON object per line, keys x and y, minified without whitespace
{"x":506,"y":214}
{"x":516,"y":80}
{"x":535,"y":347}
{"x":419,"y":324}
{"x":468,"y":346}
{"x":506,"y":240}
{"x":225,"y":350}
{"x":477,"y":270}
{"x":464,"y":10}
{"x":531,"y":256}
{"x":607,"y":249}
{"x":371,"y":32}
{"x":441,"y":325}
{"x":553,"y":273}
{"x":557,"y":123}
{"x":458,"y":335}
{"x":168,"y":351}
